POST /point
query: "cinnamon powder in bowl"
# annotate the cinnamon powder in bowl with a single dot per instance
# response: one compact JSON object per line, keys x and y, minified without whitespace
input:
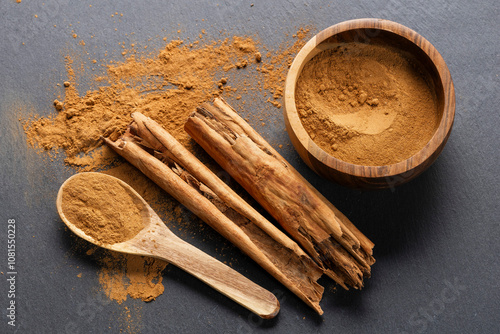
{"x":369,"y":103}
{"x":366,"y":104}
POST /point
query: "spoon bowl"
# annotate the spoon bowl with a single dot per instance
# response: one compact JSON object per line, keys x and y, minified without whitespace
{"x":156,"y":240}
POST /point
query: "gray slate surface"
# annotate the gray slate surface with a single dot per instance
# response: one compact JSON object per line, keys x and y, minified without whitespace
{"x":437,"y":238}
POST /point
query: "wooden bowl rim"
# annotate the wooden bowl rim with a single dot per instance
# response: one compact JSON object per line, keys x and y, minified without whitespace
{"x":442,"y":131}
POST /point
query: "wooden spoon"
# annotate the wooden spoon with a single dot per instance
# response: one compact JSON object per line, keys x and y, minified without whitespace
{"x":156,"y":240}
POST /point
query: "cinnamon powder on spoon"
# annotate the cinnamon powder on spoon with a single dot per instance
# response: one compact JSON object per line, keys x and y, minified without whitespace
{"x":102,"y":207}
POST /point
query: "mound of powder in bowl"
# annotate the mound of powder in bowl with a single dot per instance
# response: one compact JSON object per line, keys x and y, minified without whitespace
{"x":102,"y":207}
{"x":367,"y":104}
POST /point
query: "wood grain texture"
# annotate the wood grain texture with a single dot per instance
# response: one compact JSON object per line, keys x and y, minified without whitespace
{"x":380,"y":32}
{"x":156,"y":240}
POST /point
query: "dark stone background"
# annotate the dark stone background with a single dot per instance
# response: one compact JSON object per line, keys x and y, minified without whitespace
{"x":439,"y":231}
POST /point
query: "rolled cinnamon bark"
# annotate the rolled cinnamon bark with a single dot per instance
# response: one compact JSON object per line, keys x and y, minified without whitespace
{"x":340,"y":249}
{"x":165,"y":161}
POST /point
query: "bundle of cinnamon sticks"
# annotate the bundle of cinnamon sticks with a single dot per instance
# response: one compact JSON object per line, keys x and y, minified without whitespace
{"x":332,"y":244}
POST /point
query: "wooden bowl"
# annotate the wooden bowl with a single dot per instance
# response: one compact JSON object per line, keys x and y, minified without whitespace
{"x":380,"y":32}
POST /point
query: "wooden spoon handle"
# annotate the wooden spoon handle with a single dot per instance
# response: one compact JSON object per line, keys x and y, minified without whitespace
{"x":219,"y":276}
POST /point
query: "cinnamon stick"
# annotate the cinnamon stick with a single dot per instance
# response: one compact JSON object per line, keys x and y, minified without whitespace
{"x":327,"y":235}
{"x":165,"y":161}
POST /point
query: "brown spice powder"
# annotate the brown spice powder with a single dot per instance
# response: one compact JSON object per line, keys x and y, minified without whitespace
{"x":123,"y":275}
{"x":102,"y":207}
{"x":276,"y":70}
{"x":367,"y":104}
{"x":166,"y":87}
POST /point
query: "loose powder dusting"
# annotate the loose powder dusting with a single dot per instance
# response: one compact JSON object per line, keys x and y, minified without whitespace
{"x":166,"y":87}
{"x":123,"y":275}
{"x":367,"y":104}
{"x":102,"y":207}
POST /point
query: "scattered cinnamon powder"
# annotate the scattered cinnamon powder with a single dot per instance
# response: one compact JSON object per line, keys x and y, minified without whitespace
{"x":276,"y":70}
{"x":123,"y":275}
{"x":367,"y":104}
{"x":102,"y":207}
{"x":166,"y":87}
{"x":145,"y":283}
